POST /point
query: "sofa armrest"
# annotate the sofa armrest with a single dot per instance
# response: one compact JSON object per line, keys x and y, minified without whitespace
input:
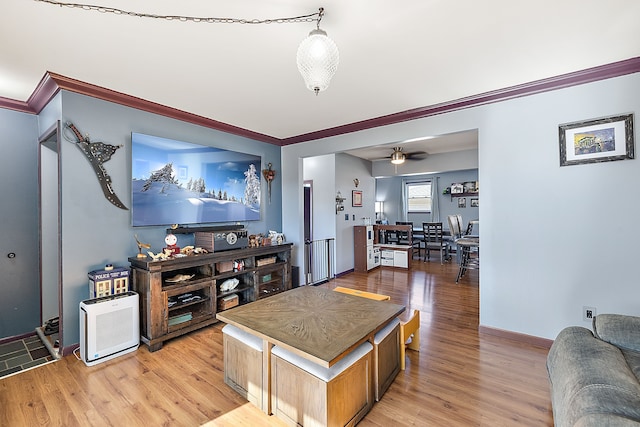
{"x":589,"y":376}
{"x":618,"y":329}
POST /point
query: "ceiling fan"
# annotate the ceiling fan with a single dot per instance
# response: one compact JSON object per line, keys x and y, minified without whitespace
{"x":398,"y":156}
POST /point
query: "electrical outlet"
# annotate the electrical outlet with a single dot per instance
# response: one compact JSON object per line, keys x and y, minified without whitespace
{"x":346,"y":217}
{"x":588,"y":313}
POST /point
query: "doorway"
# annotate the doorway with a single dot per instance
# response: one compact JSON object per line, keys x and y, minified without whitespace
{"x":50,"y":240}
{"x":308,"y":229}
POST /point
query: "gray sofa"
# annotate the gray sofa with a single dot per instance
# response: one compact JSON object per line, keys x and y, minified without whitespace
{"x":595,"y":377}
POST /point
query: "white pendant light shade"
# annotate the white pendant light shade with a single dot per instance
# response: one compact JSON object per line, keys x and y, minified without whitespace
{"x":317,"y":60}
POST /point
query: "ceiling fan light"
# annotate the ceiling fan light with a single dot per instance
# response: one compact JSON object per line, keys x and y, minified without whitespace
{"x":397,"y":158}
{"x":317,"y":60}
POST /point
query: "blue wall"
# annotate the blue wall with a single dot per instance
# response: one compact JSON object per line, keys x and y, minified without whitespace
{"x":94,"y":232}
{"x":574,"y":214}
{"x":390,"y":191}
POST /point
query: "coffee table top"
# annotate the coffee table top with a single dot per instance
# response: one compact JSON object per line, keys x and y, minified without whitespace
{"x":316,"y":323}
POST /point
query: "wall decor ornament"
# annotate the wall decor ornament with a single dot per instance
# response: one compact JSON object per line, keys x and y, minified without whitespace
{"x":269,"y":175}
{"x":98,"y":153}
{"x":597,"y":140}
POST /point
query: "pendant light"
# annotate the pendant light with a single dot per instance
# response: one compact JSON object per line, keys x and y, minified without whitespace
{"x":317,"y":58}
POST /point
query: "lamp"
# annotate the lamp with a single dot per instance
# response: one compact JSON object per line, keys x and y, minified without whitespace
{"x":317,"y":58}
{"x":379,"y":209}
{"x":398,"y":157}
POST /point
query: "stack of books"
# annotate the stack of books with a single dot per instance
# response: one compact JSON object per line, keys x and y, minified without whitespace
{"x":185,"y":317}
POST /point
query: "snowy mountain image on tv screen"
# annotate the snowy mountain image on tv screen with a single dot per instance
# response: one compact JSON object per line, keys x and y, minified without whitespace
{"x":175,"y":182}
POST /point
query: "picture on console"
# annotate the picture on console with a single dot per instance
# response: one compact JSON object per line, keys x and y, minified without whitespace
{"x":175,"y":182}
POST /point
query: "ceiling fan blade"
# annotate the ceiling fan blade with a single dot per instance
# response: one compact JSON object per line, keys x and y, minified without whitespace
{"x":417,"y":155}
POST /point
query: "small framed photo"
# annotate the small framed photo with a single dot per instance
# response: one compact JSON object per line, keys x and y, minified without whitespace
{"x":474,"y":203}
{"x":597,"y":140}
{"x":457,"y":188}
{"x":356,"y":198}
{"x":462,"y":202}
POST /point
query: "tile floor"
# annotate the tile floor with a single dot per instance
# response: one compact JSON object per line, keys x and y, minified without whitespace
{"x":22,"y":354}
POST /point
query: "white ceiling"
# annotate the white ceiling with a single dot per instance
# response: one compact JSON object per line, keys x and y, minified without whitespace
{"x":394,"y":56}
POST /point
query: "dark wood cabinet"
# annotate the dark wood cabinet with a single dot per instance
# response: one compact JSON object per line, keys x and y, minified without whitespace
{"x":181,"y":295}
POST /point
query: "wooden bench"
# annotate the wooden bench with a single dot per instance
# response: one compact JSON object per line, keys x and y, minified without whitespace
{"x":306,"y":394}
{"x":243,"y":363}
{"x":386,"y":346}
{"x":386,"y":357}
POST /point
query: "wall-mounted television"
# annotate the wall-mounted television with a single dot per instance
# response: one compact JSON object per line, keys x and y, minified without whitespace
{"x":176,"y":182}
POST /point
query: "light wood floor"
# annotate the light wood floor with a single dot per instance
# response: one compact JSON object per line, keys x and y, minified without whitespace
{"x":460,"y":377}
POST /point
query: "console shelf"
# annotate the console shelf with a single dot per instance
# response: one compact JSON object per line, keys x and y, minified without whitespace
{"x":155,"y":282}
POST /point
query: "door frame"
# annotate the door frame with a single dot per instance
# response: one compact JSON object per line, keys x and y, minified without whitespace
{"x":50,"y":140}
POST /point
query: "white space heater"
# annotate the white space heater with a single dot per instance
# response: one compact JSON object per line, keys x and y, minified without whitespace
{"x":109,"y":327}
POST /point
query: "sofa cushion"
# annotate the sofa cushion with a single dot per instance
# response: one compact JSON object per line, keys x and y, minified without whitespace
{"x":590,"y":378}
{"x":618,"y":329}
{"x":633,"y":360}
{"x":605,"y":420}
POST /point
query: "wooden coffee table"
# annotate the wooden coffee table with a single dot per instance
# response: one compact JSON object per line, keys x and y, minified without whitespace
{"x":318,"y":324}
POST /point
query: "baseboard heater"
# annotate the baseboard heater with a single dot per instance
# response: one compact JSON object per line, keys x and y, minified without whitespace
{"x":109,"y":327}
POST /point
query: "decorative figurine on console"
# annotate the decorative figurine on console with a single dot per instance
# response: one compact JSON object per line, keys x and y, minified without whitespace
{"x":171,"y":240}
{"x":269,"y":176}
{"x":141,"y":246}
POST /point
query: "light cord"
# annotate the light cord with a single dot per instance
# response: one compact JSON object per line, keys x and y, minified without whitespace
{"x":210,"y":20}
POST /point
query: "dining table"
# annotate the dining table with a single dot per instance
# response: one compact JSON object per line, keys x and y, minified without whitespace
{"x":318,"y":324}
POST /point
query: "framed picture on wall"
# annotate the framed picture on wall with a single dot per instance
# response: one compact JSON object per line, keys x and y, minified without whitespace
{"x":474,"y":203}
{"x":597,"y":140}
{"x":462,"y":202}
{"x":356,"y":198}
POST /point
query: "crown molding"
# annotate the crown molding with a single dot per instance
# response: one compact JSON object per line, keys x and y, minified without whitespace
{"x":589,"y":75}
{"x":52,"y":83}
{"x":12,"y":104}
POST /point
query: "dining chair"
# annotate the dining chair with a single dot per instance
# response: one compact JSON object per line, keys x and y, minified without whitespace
{"x":470,"y":254}
{"x":404,"y":236}
{"x":454,"y":226}
{"x":414,"y":242}
{"x":434,"y":241}
{"x":455,"y":229}
{"x":409,"y":336}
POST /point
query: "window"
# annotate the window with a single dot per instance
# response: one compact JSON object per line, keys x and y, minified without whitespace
{"x":418,"y":197}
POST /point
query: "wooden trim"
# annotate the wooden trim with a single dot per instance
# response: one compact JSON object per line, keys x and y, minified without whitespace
{"x":51,"y":83}
{"x":344,"y":273}
{"x":515,"y":336}
{"x":45,"y":91}
{"x":16,"y":337}
{"x":602,"y":72}
{"x":152,"y":107}
{"x":12,"y":104}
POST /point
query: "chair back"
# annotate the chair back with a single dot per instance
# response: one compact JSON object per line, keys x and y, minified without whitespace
{"x":461,"y":225}
{"x":402,"y":235}
{"x":432,"y":233}
{"x":454,"y":226}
